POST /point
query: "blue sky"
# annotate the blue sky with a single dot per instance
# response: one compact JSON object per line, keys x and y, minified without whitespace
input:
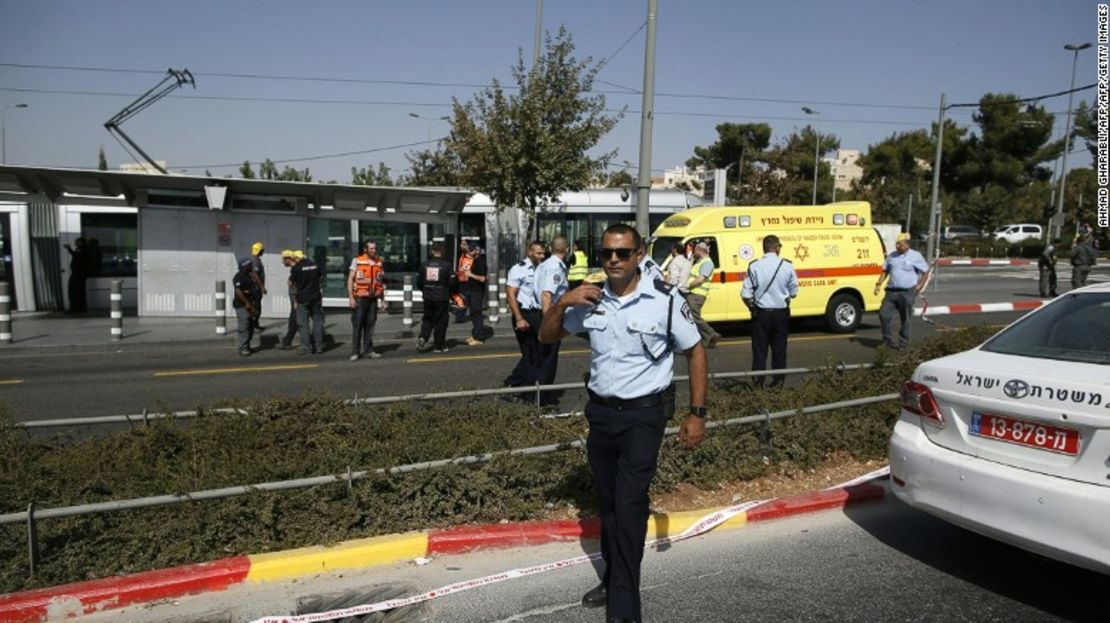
{"x":888,"y":59}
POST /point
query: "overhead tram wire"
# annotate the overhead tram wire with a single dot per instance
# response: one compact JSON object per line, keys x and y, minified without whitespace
{"x":317,"y":157}
{"x":424,"y":104}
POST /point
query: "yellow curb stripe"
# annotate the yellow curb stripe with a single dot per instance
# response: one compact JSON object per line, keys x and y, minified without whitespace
{"x":11,"y":382}
{"x":381,"y":550}
{"x":305,"y":366}
{"x":672,"y":524}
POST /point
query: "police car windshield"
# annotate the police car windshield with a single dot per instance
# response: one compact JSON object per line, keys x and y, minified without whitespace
{"x":661,"y":248}
{"x":1075,"y":327}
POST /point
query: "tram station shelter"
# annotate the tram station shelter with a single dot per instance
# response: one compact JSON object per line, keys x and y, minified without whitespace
{"x":170,"y":238}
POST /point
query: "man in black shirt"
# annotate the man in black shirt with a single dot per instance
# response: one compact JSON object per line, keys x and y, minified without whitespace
{"x":246,"y":293}
{"x":476,"y":294}
{"x":305,"y":276}
{"x":435,"y":281}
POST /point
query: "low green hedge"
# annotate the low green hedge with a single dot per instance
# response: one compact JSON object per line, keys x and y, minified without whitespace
{"x":318,"y":435}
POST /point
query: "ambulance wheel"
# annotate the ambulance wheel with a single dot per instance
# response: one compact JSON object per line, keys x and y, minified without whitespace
{"x":844,"y":313}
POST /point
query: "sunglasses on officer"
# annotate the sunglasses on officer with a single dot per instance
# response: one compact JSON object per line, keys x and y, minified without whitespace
{"x":623,"y":254}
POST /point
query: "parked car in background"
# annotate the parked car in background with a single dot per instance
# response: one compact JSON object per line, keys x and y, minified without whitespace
{"x":955,"y":232}
{"x":1018,"y":232}
{"x":1012,"y":439}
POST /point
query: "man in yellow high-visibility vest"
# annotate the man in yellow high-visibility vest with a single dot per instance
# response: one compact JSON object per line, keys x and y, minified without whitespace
{"x":578,"y":268}
{"x":698,"y":286}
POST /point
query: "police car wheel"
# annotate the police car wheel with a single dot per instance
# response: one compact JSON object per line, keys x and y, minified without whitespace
{"x":843,"y":313}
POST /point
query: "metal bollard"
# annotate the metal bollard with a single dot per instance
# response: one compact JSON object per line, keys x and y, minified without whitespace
{"x":502,"y":297}
{"x":491,"y":287}
{"x":117,"y":310}
{"x":407,"y":304}
{"x":221,"y":308}
{"x":5,"y":313}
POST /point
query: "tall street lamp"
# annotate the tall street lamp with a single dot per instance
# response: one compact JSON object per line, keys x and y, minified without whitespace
{"x":429,"y":120}
{"x":1059,"y":218}
{"x":4,"y":131}
{"x":816,"y":149}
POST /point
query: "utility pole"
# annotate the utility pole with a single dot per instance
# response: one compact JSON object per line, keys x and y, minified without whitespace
{"x":909,"y":214}
{"x":934,"y":206}
{"x":643,"y":182}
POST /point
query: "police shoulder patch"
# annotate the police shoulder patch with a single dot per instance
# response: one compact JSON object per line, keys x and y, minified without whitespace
{"x":663,"y":286}
{"x":686,"y":312}
{"x":557,"y":278}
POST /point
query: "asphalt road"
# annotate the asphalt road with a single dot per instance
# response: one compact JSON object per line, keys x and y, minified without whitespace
{"x":50,"y":384}
{"x":879,"y":561}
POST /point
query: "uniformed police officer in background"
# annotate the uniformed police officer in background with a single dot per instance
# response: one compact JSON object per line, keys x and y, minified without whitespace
{"x":908,"y":271}
{"x":551,"y":285}
{"x":435,"y":280}
{"x":768,"y":287}
{"x":288,"y":259}
{"x":635,"y":325}
{"x":520,"y":294}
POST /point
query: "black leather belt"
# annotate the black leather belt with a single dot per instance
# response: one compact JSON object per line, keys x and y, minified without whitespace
{"x":898,"y":289}
{"x":651,"y":400}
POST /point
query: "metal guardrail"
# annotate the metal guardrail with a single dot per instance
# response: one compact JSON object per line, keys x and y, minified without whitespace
{"x":146,"y":417}
{"x":33,"y":514}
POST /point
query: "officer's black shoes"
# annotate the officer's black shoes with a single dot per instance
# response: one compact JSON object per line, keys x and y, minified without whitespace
{"x":596,"y":598}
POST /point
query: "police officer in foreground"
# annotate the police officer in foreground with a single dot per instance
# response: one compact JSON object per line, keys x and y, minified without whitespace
{"x":768,"y":287}
{"x":635,"y":325}
{"x":520,"y":288}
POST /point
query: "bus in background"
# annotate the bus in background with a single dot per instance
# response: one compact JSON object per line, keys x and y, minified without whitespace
{"x":835,"y":249}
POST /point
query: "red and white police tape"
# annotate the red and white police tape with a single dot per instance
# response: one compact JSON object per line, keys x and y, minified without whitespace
{"x":701,"y":526}
{"x":977,"y":308}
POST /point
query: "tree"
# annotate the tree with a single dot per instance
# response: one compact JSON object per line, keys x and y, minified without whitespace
{"x":245,"y":170}
{"x":526,"y":149}
{"x":735,"y":142}
{"x":289,"y":174}
{"x":101,"y":160}
{"x":369,"y":177}
{"x":1086,"y":127}
{"x":267,"y":170}
{"x":439,"y":167}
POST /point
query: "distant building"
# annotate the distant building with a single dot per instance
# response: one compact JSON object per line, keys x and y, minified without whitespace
{"x":142,"y":167}
{"x":679,"y":177}
{"x":845,"y":168}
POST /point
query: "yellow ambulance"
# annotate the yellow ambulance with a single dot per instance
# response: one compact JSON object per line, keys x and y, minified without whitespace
{"x":835,"y":249}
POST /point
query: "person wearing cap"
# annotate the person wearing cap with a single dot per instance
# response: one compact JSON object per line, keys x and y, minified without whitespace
{"x":306,"y":276}
{"x":366,"y":296}
{"x":246,"y":295}
{"x":288,"y":259}
{"x":907,"y":272}
{"x":260,"y":278}
{"x":475,"y":274}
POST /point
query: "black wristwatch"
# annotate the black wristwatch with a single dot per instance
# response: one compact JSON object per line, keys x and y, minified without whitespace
{"x":699,"y":411}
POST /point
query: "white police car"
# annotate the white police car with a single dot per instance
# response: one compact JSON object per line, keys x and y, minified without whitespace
{"x":1012,"y":439}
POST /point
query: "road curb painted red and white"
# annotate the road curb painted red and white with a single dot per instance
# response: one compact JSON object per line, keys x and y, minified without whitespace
{"x":68,"y":600}
{"x":979,"y":308}
{"x":983,"y":262}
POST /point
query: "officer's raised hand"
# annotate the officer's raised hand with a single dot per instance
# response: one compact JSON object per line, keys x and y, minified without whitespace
{"x":584,"y":295}
{"x":692,"y":431}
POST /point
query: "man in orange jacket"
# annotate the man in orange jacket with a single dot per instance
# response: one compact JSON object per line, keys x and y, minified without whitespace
{"x":366,"y":295}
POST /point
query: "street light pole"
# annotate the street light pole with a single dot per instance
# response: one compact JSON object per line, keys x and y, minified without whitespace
{"x":4,"y":131}
{"x":816,"y":149}
{"x":934,"y":206}
{"x":1059,"y":218}
{"x":539,"y":31}
{"x":647,"y":118}
{"x":429,"y":120}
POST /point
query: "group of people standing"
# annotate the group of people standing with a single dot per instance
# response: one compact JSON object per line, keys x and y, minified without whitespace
{"x":306,"y":314}
{"x":1084,"y":256}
